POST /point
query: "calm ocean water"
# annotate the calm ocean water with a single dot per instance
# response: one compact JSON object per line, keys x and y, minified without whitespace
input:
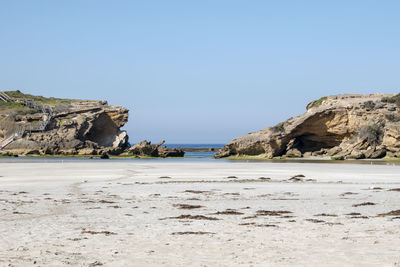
{"x":189,"y":156}
{"x":192,"y":156}
{"x":196,"y":145}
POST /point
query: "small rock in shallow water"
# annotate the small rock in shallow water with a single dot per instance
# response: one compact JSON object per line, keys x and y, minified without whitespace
{"x":104,"y":156}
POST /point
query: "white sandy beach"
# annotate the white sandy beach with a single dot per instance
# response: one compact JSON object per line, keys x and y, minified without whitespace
{"x":121,"y":213}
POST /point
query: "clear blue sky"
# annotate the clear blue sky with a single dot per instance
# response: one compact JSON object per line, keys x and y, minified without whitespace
{"x":200,"y":71}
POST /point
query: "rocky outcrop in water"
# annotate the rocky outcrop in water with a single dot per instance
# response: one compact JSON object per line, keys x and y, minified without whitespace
{"x":340,"y":126}
{"x":61,"y":126}
{"x":147,"y":149}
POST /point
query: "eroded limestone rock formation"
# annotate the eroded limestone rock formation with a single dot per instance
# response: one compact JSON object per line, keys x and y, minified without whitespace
{"x":340,"y":126}
{"x":147,"y":149}
{"x":72,"y":126}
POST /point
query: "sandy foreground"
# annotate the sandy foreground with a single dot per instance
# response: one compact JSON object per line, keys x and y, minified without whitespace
{"x":177,"y":213}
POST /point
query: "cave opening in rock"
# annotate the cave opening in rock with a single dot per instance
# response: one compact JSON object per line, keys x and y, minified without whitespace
{"x":103,"y":131}
{"x":312,"y":142}
{"x":318,"y":132}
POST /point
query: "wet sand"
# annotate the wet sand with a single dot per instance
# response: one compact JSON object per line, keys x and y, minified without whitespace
{"x":152,"y":213}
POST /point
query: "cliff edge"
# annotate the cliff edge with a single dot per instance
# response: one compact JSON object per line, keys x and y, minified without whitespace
{"x":339,"y":126}
{"x":39,"y":125}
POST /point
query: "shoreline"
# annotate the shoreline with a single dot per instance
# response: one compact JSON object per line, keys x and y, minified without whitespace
{"x":314,"y":160}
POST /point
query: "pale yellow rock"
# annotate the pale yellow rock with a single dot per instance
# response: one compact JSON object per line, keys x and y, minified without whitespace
{"x":335,"y":125}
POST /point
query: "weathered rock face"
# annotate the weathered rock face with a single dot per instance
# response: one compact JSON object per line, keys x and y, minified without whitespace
{"x":147,"y":149}
{"x":79,"y":127}
{"x":343,"y":126}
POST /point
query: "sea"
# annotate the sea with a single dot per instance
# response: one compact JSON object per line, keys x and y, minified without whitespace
{"x":196,"y":154}
{"x":189,"y":156}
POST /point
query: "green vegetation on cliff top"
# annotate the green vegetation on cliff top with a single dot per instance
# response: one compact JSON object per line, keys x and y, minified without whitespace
{"x":319,"y":101}
{"x":9,"y":106}
{"x":394,"y":100}
{"x":40,"y":99}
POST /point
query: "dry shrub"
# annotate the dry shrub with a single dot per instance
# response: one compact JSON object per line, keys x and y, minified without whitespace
{"x":372,"y":133}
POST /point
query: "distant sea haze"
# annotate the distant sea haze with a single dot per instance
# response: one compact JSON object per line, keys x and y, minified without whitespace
{"x":195,"y":145}
{"x":198,"y":154}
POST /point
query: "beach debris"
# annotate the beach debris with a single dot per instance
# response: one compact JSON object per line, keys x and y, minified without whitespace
{"x":249,"y":217}
{"x":232,"y":194}
{"x":249,"y":223}
{"x":287,"y":216}
{"x":18,"y":212}
{"x":364,"y":204}
{"x":359,"y":217}
{"x":264,"y":178}
{"x":326,"y":214}
{"x":258,"y":224}
{"x":348,"y":193}
{"x":76,"y":238}
{"x":192,"y":217}
{"x":106,"y":201}
{"x":96,"y":263}
{"x":375,"y":188}
{"x":390,"y":213}
{"x":315,"y":221}
{"x":115,"y":207}
{"x":297,"y":178}
{"x":187,"y":206}
{"x":395,"y":189}
{"x":231,"y":177}
{"x":107,"y":233}
{"x":193,"y":233}
{"x":272,"y":212}
{"x":19,"y":193}
{"x":85,"y":201}
{"x":266,"y":225}
{"x":165,"y":177}
{"x":332,"y":223}
{"x":193,"y":198}
{"x":197,"y":191}
{"x":228,"y":212}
